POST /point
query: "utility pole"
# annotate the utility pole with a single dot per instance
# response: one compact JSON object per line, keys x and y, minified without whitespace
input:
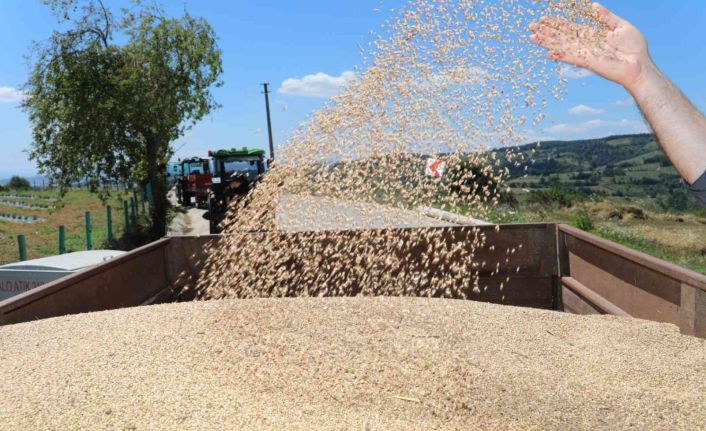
{"x":269,"y":120}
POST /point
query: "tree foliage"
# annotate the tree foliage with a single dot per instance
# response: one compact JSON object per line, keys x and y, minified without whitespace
{"x":107,"y":96}
{"x":556,"y":195}
{"x":470,"y":178}
{"x":18,"y":183}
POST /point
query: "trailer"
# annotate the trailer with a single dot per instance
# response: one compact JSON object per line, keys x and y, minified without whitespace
{"x":557,"y":268}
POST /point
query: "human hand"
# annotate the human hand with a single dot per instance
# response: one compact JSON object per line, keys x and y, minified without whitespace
{"x":618,"y":53}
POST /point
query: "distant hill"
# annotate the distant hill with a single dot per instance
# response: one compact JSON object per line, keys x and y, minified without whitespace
{"x":628,"y":166}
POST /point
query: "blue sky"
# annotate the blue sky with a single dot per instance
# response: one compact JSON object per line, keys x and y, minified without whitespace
{"x":313,"y":43}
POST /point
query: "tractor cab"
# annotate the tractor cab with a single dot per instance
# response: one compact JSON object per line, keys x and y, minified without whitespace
{"x":235,"y":173}
{"x":194,"y":182}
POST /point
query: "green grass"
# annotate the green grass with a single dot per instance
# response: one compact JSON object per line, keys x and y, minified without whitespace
{"x":659,"y":235}
{"x":694,"y":262}
{"x":43,"y":238}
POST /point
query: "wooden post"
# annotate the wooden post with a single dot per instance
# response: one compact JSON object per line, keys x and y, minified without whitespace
{"x":89,"y":242}
{"x":109,"y":220}
{"x":62,"y":240}
{"x":22,"y":245}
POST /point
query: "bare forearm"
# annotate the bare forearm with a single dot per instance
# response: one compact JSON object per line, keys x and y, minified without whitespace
{"x":678,"y":124}
{"x":622,"y":56}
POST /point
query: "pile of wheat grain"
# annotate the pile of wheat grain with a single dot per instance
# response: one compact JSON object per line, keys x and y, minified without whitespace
{"x":348,"y":363}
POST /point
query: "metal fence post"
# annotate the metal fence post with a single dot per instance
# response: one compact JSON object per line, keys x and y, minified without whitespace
{"x":109,"y":221}
{"x":148,"y":191}
{"x":133,"y":208}
{"x":127,"y":217}
{"x":62,"y":240}
{"x":89,"y":242}
{"x":22,"y":244}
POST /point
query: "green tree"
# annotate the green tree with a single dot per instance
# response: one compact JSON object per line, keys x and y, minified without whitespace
{"x":678,"y":200}
{"x":468,"y":178}
{"x":18,"y":183}
{"x":554,"y":196}
{"x":108,"y":96}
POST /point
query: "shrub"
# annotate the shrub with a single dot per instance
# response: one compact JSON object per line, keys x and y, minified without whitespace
{"x":467,"y":177}
{"x":583,"y":221}
{"x":661,"y":159}
{"x":19,"y":183}
{"x":555,"y":195}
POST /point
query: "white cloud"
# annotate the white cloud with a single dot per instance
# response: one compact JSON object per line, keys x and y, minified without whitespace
{"x":10,"y":95}
{"x":570,"y":72}
{"x":625,"y":102}
{"x":320,"y":85}
{"x":595,"y":128}
{"x":585,"y":110}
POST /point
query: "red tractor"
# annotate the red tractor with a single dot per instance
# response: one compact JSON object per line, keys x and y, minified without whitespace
{"x":194,"y":183}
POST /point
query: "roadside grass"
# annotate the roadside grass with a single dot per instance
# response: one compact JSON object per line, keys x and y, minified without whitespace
{"x":695,"y":262}
{"x":673,"y":237}
{"x":43,"y":237}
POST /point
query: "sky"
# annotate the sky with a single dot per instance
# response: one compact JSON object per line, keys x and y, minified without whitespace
{"x":307,"y":49}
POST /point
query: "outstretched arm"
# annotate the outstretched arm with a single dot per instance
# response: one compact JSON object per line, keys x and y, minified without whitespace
{"x":620,"y":54}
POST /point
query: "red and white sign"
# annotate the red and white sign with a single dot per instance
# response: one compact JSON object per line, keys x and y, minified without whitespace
{"x":435,"y":168}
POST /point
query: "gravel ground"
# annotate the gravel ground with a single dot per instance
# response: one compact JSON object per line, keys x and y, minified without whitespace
{"x":353,"y":363}
{"x":189,"y":222}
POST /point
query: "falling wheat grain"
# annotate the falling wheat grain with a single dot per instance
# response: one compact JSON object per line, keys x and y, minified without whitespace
{"x":444,"y":79}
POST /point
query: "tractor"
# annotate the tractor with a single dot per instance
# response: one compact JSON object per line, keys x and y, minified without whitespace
{"x":235,"y":173}
{"x":193,"y":184}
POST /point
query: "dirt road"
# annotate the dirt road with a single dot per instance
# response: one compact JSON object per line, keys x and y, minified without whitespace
{"x":189,"y":221}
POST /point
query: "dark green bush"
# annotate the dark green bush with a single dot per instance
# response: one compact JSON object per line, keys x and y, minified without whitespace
{"x":19,"y":183}
{"x":582,"y":220}
{"x":554,"y":196}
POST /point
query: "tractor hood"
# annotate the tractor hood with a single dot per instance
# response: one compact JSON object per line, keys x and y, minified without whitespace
{"x":240,"y":152}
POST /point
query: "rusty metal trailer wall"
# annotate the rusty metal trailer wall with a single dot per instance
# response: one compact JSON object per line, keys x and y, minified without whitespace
{"x":160,"y":271}
{"x":336,"y":263}
{"x":131,"y":279}
{"x":601,"y":277}
{"x":556,"y":267}
{"x":146,"y":275}
{"x":185,"y":257}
